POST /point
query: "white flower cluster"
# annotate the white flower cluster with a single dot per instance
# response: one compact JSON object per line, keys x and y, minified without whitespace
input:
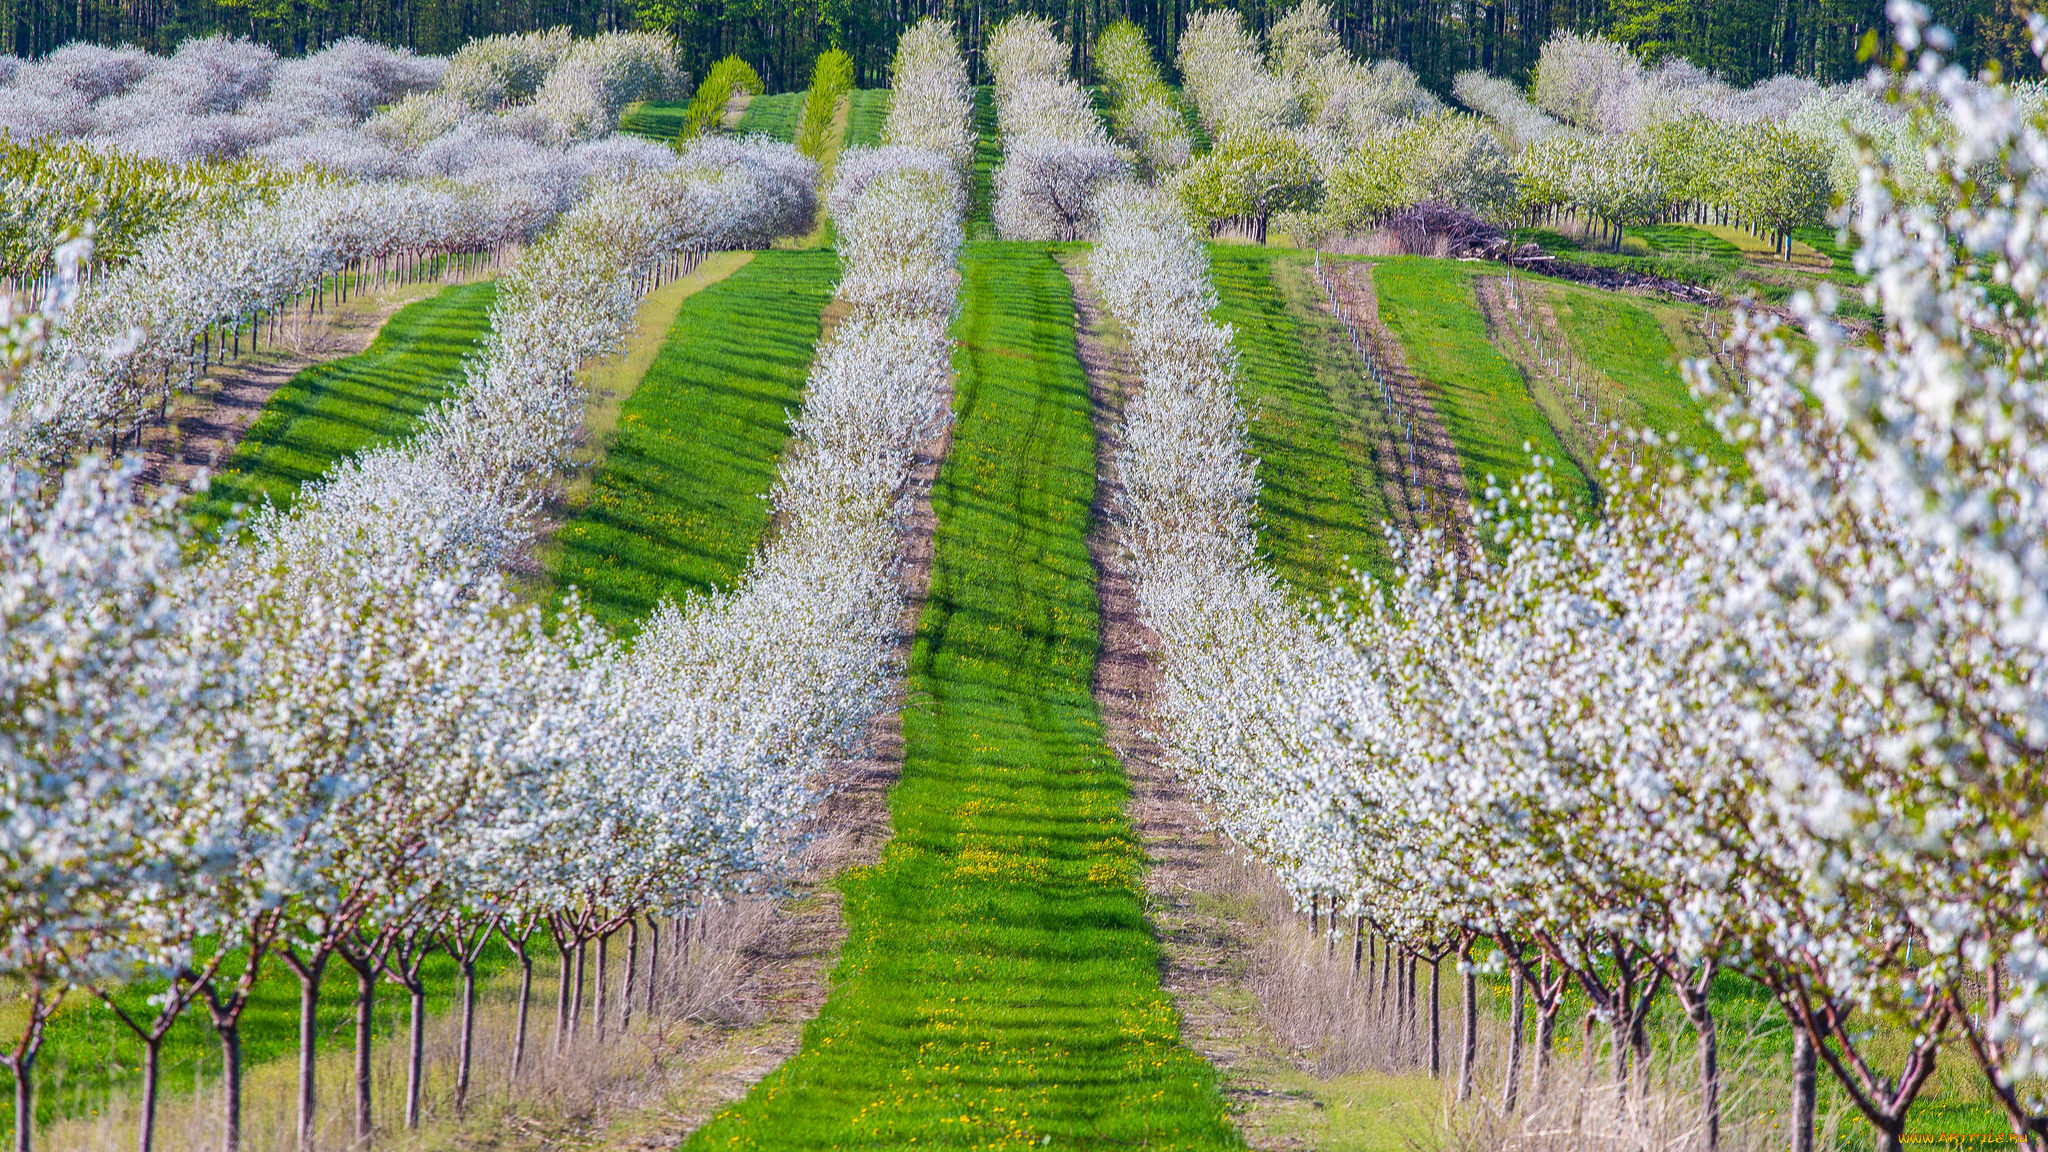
{"x":219,"y":97}
{"x":1231,"y":644}
{"x":1055,"y":152}
{"x":1235,"y":93}
{"x":345,"y":729}
{"x":1345,"y":101}
{"x":1792,"y":724}
{"x":1521,"y":122}
{"x":1368,"y":130}
{"x":1144,"y":110}
{"x":489,"y":176}
{"x":1608,"y":137}
{"x":931,"y":106}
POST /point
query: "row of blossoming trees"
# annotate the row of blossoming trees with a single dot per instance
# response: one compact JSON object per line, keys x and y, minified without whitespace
{"x":340,"y":735}
{"x":1302,"y":128}
{"x":1791,"y":724}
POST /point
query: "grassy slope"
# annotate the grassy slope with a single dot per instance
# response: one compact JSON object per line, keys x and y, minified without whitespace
{"x":1319,"y":498}
{"x":1625,"y":340}
{"x":999,"y":987}
{"x":677,"y":505}
{"x":866,"y":109}
{"x":334,"y":410}
{"x":772,"y":116}
{"x":1479,"y":394}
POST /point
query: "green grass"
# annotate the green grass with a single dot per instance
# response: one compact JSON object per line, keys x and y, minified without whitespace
{"x":1687,"y":241}
{"x":1625,"y":341}
{"x":1197,"y":135}
{"x":663,"y":122}
{"x":1479,"y":394}
{"x":89,"y":1053}
{"x":335,"y":410}
{"x":772,"y":116}
{"x":677,"y":504}
{"x":988,"y":154}
{"x":866,"y":109}
{"x":1320,"y":501}
{"x":1825,"y":242}
{"x":999,"y":986}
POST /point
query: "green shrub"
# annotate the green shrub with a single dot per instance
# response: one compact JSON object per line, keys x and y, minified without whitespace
{"x":830,"y":80}
{"x":726,"y":77}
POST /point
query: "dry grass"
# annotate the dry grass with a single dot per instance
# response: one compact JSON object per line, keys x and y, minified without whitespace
{"x":570,"y":1085}
{"x":1363,"y":1067}
{"x":651,"y":1081}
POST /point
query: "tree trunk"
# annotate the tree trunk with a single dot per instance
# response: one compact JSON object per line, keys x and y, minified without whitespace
{"x":366,"y":1006}
{"x":1518,"y":1004}
{"x":308,"y":972}
{"x":1710,"y":1075}
{"x":1436,"y":1017}
{"x":468,"y":1044}
{"x":632,"y":967}
{"x":1803,"y":1084}
{"x":1546,"y":1041}
{"x":1468,"y":1034}
{"x":562,"y":975}
{"x":576,"y":991}
{"x":525,"y":1000}
{"x":415,"y":1056}
{"x":598,"y":993}
{"x":24,"y":1102}
{"x":230,"y":1089}
{"x":653,"y":963}
{"x":152,"y":1079}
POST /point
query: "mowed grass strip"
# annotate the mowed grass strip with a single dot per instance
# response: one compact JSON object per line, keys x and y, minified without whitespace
{"x":679,"y":501}
{"x":1625,"y":341}
{"x":335,"y":410}
{"x":772,"y":116}
{"x":1321,"y":509}
{"x":663,"y":122}
{"x":999,"y":987}
{"x":866,"y":109}
{"x":1480,"y":395}
{"x":988,"y":156}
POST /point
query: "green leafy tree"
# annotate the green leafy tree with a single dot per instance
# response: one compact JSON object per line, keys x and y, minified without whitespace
{"x":1250,"y":176}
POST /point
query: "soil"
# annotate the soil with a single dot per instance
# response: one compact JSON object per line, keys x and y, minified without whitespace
{"x":1202,"y":950}
{"x":1432,"y":488}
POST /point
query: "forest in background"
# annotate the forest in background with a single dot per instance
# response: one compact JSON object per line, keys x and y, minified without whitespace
{"x":1744,"y":40}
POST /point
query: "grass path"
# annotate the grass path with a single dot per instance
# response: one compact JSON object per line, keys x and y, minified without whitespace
{"x":1320,"y":500}
{"x":988,"y":156}
{"x":999,"y":987}
{"x":867,"y":108}
{"x":677,"y":504}
{"x":1631,"y":343}
{"x":773,"y":116}
{"x":337,"y":409}
{"x":1479,"y":393}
